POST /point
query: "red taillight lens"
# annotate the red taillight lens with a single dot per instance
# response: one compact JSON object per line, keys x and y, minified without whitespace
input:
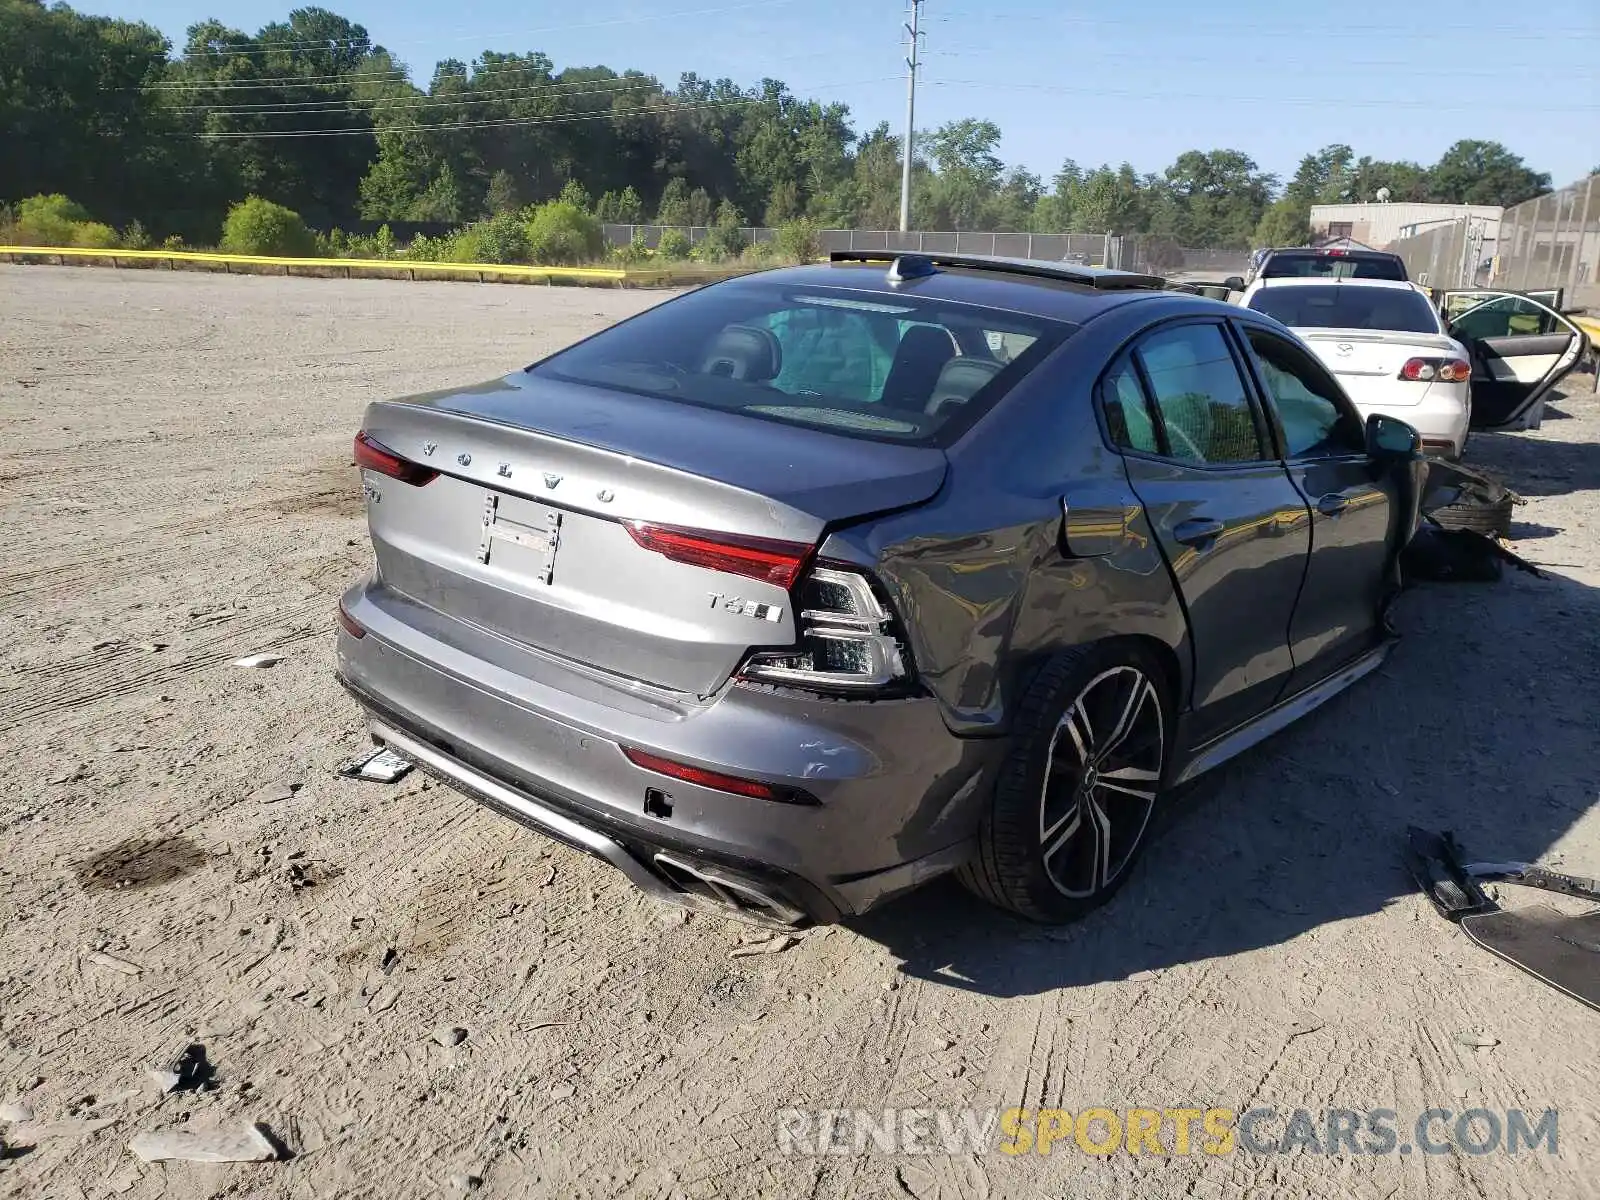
{"x":1442,"y":370}
{"x":716,"y":780}
{"x":765,"y":559}
{"x":375,"y":456}
{"x":349,"y":623}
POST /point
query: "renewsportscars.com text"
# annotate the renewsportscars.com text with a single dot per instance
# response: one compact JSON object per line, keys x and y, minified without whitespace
{"x":1165,"y":1131}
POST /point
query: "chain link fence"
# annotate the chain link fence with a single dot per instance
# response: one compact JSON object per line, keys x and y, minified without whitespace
{"x":1133,"y":252}
{"x":1549,"y":242}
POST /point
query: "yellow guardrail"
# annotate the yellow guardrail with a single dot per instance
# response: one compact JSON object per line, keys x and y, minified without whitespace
{"x":520,"y":270}
{"x":1590,"y":325}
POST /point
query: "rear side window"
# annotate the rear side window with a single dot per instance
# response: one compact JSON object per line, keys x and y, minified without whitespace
{"x":1337,"y":306}
{"x":866,"y":364}
{"x":1202,"y":401}
{"x":1315,"y":265}
{"x":1506,"y":316}
{"x":1127,"y":411}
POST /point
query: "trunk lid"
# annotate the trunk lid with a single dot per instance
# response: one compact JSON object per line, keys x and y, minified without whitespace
{"x":526,"y":530}
{"x":1367,"y":362}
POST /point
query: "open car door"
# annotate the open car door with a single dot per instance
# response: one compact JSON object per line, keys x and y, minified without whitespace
{"x":1520,"y":349}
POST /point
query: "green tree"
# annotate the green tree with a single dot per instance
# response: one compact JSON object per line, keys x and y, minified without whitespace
{"x":503,"y":195}
{"x":674,"y":206}
{"x":1474,"y":172}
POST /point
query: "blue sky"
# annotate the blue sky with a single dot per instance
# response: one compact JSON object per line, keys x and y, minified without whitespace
{"x":1095,"y":80}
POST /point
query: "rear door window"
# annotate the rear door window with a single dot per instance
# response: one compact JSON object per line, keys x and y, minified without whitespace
{"x":1204,"y":407}
{"x":1505,"y":316}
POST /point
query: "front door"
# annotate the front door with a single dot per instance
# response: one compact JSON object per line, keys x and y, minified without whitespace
{"x":1353,"y":507}
{"x":1231,"y":525}
{"x":1520,"y":348}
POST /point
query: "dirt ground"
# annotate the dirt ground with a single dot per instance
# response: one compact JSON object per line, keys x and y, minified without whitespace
{"x":179,"y":863}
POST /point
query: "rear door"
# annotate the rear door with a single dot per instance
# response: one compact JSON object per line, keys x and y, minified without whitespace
{"x":1520,"y":348}
{"x":1353,"y":507}
{"x":1231,"y":525}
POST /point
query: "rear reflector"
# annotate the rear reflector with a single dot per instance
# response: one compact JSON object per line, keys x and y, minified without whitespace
{"x":765,"y":559}
{"x":716,"y":780}
{"x":349,"y":623}
{"x":375,"y":456}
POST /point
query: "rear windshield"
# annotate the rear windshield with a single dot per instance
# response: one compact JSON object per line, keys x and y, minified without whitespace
{"x":1314,"y":265}
{"x":866,"y":364}
{"x":1340,"y":307}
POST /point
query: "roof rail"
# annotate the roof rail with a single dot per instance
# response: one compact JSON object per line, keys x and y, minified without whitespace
{"x":908,"y":264}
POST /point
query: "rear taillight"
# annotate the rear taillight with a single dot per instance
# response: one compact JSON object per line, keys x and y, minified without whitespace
{"x":1443,"y":370}
{"x":375,"y":456}
{"x":716,"y":780}
{"x":349,"y":624}
{"x":847,"y":639}
{"x":765,"y":559}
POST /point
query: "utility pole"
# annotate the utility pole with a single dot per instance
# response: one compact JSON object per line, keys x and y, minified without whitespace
{"x":911,"y":115}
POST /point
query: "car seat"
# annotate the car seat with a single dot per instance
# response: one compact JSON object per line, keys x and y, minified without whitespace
{"x":744,"y":352}
{"x":921,"y":356}
{"x":960,"y":380}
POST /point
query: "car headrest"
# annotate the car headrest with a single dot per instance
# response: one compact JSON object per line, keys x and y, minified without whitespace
{"x":744,"y":352}
{"x":961,"y":380}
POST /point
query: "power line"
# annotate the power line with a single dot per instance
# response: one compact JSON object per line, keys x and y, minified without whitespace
{"x":1312,"y":34}
{"x":1343,"y":101}
{"x":559,"y":89}
{"x":370,"y":131}
{"x":422,"y":101}
{"x":367,"y":44}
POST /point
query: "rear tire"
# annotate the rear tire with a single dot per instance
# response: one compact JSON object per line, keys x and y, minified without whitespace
{"x":1073,"y":805}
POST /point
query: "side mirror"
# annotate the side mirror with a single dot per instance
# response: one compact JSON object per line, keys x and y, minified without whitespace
{"x":1233,"y":283}
{"x":1390,"y":439}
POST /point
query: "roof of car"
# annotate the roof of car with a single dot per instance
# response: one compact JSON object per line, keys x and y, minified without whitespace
{"x":1016,"y":285}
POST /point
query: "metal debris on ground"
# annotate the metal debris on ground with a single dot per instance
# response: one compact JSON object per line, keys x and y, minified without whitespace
{"x":257,"y":660}
{"x":251,"y":1143}
{"x":381,"y":766}
{"x":188,"y":1069}
{"x":774,"y":945}
{"x":1477,"y":1041}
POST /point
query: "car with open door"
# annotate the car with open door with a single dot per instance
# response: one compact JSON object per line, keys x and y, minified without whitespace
{"x":1387,"y":345}
{"x":1520,"y":346}
{"x":801,"y":589}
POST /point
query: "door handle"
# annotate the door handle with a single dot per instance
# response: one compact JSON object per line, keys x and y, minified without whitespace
{"x":1198,"y":530}
{"x":1333,"y":504}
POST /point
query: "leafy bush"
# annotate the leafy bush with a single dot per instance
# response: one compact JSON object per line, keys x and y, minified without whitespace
{"x":562,"y":234}
{"x":258,"y":226}
{"x":800,"y":241}
{"x":635,"y":252}
{"x":49,"y":220}
{"x":500,"y":239}
{"x":134,"y":237}
{"x":674,"y":245}
{"x":92,"y":235}
{"x":427,"y":249}
{"x":725,"y":239}
{"x":172,"y":242}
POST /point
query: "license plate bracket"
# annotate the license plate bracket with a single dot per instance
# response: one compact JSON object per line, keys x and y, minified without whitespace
{"x":535,"y":528}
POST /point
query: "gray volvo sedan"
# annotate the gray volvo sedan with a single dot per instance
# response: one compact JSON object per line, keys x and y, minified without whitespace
{"x":801,"y":589}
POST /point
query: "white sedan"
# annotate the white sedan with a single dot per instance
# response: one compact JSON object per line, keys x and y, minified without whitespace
{"x":1387,"y":346}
